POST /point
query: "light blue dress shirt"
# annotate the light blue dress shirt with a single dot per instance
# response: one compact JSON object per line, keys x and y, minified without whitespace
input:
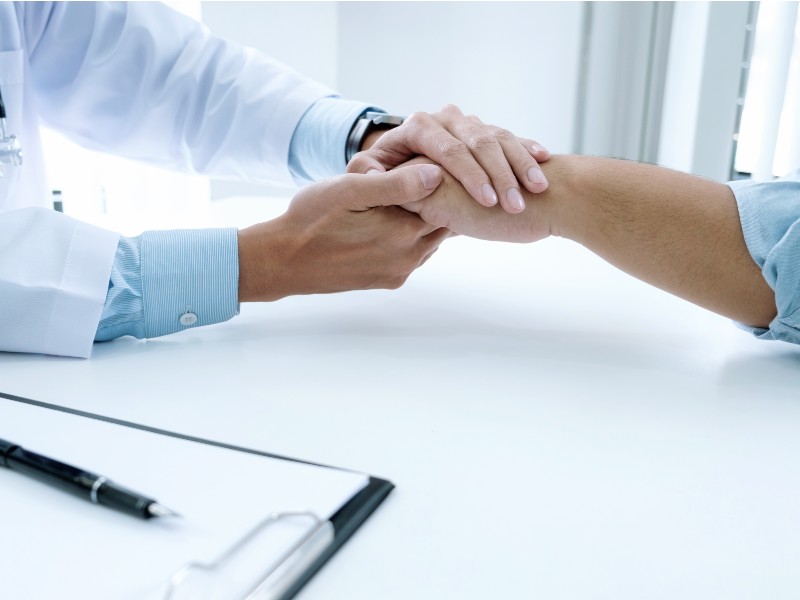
{"x":770,"y":216}
{"x":166,"y":281}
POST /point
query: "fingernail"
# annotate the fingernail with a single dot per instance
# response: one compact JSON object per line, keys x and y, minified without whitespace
{"x":431,"y":176}
{"x":514,"y":199}
{"x":489,"y":194}
{"x":535,"y":175}
{"x":538,"y":147}
{"x":372,"y":171}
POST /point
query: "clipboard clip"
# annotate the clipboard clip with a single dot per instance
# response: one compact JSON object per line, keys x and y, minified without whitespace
{"x":272,"y":583}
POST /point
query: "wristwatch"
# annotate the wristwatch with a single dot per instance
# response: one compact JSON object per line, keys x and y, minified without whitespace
{"x":367,"y":123}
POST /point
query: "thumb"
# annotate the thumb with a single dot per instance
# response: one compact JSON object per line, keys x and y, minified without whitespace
{"x":400,"y":186}
{"x":363,"y":162}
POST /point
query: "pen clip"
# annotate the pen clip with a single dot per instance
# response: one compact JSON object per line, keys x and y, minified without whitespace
{"x":272,"y":583}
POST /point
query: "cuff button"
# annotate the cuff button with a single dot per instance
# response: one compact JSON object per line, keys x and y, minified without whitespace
{"x":188,"y":318}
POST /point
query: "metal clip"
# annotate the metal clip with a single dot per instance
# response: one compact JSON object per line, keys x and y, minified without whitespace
{"x":273,"y":583}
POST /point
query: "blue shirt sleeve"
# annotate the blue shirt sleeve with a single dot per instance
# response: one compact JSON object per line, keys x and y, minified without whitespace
{"x":770,"y":217}
{"x":167,"y":281}
{"x":317,"y":148}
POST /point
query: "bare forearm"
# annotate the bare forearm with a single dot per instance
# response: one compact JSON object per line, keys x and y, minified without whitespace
{"x":678,"y":232}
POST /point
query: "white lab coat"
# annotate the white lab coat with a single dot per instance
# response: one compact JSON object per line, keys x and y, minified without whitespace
{"x":140,"y":81}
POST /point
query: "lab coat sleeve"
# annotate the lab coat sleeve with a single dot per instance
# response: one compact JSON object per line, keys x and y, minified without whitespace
{"x":54,"y":274}
{"x":144,"y":82}
{"x":317,"y":150}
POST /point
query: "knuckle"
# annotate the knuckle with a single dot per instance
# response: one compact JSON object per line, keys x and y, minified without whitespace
{"x":436,"y":215}
{"x":415,"y":120}
{"x":482,"y":142}
{"x":415,"y":227}
{"x":336,"y":184}
{"x":422,"y":253}
{"x":358,"y":164}
{"x":451,"y":109}
{"x":346,"y":187}
{"x":504,"y":135}
{"x":453,"y":148}
{"x":396,"y":282}
{"x":405,"y":229}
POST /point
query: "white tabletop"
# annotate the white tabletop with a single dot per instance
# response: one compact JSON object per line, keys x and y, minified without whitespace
{"x":555,"y":428}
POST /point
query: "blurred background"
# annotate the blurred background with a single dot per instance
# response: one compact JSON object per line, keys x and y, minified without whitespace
{"x":711,"y":88}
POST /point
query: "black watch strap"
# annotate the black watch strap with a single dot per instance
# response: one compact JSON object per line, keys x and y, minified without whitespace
{"x":367,"y":123}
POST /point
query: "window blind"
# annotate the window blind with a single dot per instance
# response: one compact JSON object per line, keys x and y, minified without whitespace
{"x":769,"y":134}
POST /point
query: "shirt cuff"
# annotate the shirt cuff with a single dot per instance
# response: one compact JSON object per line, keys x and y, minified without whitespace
{"x":167,"y":281}
{"x":318,"y":144}
{"x":770,"y":217}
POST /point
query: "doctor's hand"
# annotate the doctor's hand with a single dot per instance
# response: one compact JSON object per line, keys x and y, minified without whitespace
{"x":491,"y":163}
{"x":346,"y":233}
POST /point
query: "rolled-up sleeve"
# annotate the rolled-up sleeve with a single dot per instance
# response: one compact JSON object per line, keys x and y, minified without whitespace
{"x":770,"y":218}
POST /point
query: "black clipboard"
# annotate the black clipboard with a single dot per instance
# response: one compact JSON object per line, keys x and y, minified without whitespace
{"x":344,"y":522}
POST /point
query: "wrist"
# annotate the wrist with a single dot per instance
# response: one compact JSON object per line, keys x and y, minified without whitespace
{"x":562,"y":206}
{"x":371,"y":138}
{"x":262,"y":251}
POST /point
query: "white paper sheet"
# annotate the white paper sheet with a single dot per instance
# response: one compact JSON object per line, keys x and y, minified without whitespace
{"x":55,"y":545}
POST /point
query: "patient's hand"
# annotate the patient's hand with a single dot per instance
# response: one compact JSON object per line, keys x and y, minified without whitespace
{"x":494,"y":165}
{"x":452,"y":207}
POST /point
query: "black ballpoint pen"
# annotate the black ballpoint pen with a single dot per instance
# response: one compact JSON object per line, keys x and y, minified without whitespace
{"x":95,"y":488}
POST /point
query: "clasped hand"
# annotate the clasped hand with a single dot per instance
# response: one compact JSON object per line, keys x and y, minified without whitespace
{"x":490,"y":162}
{"x":359,"y":230}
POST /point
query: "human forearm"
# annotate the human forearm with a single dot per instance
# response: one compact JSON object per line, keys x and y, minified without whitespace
{"x":678,"y":232}
{"x":675,"y":231}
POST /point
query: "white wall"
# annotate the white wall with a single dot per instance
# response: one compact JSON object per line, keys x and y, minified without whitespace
{"x":626,"y":50}
{"x":704,"y":79}
{"x":513,"y":64}
{"x":684,"y":79}
{"x":300,"y":34}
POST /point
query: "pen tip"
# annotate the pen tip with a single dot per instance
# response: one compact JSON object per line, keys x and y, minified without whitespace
{"x":156,"y":510}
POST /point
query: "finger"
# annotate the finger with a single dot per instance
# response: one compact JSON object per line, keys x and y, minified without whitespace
{"x":415,"y":207}
{"x":432,"y":241}
{"x":454,"y":155}
{"x":422,"y":134}
{"x":400,"y":186}
{"x":364,"y":163}
{"x":411,"y":223}
{"x":437,"y":236}
{"x":526,"y":169}
{"x":537,"y":151}
{"x":485,"y":143}
{"x":426,"y":229}
{"x":488,"y":145}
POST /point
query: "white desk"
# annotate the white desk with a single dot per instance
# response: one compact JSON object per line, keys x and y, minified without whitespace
{"x":555,"y":428}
